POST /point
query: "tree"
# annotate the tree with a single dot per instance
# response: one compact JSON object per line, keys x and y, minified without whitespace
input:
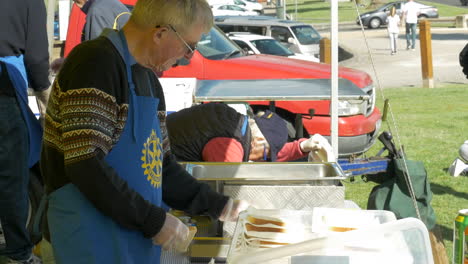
{"x":375,"y":3}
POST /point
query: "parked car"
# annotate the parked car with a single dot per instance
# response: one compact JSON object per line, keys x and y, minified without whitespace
{"x":231,"y":10}
{"x":378,"y":17}
{"x":296,"y":36}
{"x":218,"y":58}
{"x":258,"y":44}
{"x":250,"y":5}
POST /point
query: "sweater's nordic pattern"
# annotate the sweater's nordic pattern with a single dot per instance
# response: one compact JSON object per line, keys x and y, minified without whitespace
{"x":80,"y":121}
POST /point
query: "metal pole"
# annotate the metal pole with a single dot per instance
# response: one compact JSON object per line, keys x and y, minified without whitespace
{"x":334,"y":77}
{"x":295,"y":10}
{"x":284,"y":9}
{"x":50,"y":25}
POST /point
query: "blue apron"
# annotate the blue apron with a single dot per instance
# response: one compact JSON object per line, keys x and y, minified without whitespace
{"x":82,"y":234}
{"x":17,"y":73}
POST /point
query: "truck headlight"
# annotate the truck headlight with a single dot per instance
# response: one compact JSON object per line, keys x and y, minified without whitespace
{"x":351,"y":107}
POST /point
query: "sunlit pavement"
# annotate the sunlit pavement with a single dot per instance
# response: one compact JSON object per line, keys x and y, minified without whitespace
{"x":404,"y":68}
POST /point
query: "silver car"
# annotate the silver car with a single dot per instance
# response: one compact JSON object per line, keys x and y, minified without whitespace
{"x":378,"y":17}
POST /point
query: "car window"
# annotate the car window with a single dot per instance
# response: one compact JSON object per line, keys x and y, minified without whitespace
{"x":239,"y":2}
{"x":254,"y":29}
{"x":236,"y":8}
{"x":242,"y":45}
{"x":271,"y":46}
{"x":306,"y":35}
{"x":258,"y":30}
{"x":281,"y":34}
{"x":216,"y":46}
{"x":227,"y":28}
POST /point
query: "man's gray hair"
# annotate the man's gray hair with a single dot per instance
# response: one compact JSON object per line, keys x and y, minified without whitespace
{"x":179,"y":13}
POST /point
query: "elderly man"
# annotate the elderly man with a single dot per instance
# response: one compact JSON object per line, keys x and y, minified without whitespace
{"x":218,"y":133}
{"x":102,"y":156}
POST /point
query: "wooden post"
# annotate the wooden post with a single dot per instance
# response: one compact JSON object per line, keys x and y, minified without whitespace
{"x":325,"y":50}
{"x":438,"y":248}
{"x":426,"y":53}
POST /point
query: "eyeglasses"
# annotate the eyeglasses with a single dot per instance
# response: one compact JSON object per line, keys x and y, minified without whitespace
{"x":191,"y":49}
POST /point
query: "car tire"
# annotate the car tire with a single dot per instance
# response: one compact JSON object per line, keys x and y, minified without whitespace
{"x":422,"y":17}
{"x":375,"y":23}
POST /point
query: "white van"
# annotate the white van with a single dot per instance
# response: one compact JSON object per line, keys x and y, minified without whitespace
{"x":298,"y":37}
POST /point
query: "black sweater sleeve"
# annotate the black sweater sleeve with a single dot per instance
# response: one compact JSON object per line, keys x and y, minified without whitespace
{"x":36,"y":54}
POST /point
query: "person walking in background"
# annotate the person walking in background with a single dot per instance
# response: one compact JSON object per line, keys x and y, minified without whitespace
{"x":393,"y":23}
{"x":103,"y":157}
{"x":24,"y":61}
{"x":410,"y":15}
{"x":101,"y":14}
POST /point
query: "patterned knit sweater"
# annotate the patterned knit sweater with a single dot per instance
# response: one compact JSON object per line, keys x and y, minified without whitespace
{"x":85,"y":117}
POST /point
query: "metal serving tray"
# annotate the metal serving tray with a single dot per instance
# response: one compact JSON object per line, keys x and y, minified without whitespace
{"x":268,"y":172}
{"x":274,"y":185}
{"x":274,"y":90}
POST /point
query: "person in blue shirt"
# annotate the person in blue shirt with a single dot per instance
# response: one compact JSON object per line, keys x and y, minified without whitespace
{"x":24,"y":62}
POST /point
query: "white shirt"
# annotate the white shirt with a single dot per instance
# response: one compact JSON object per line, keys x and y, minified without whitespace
{"x":392,"y":24}
{"x":411,"y":11}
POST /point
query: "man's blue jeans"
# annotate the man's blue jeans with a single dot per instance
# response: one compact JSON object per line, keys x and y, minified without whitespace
{"x":410,"y":35}
{"x":14,"y":179}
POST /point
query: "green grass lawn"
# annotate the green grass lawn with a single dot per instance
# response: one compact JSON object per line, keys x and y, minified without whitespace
{"x":432,"y":124}
{"x":318,"y":11}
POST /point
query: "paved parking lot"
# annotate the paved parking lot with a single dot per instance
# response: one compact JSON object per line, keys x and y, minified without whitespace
{"x":404,"y":68}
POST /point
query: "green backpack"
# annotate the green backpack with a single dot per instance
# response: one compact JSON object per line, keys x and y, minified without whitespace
{"x":393,"y":195}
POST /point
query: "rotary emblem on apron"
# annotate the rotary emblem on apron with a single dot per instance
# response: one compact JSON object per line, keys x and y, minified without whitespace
{"x":152,"y":159}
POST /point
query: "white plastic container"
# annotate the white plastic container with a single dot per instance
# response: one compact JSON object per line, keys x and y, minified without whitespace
{"x":383,"y":240}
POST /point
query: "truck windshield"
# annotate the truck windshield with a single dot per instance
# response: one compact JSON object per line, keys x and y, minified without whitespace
{"x":217,"y":46}
{"x":306,"y":35}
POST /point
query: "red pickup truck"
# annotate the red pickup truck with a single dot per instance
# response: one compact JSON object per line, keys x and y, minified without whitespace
{"x":218,"y":58}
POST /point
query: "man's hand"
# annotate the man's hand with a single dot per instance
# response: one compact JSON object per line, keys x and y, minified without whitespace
{"x":310,"y":144}
{"x":232,"y":210}
{"x":173,"y":234}
{"x":42,"y":99}
{"x":319,"y":149}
